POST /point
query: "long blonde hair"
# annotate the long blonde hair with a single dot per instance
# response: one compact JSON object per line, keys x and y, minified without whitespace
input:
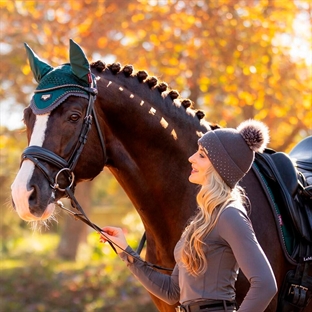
{"x":212,"y":198}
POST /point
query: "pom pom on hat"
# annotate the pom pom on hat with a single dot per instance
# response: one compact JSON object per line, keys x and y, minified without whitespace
{"x":255,"y":133}
{"x":232,"y":151}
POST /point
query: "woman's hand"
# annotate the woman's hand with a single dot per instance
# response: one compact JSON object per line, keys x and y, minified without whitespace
{"x":115,"y":235}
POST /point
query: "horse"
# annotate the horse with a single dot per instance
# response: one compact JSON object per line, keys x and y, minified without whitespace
{"x":144,"y":132}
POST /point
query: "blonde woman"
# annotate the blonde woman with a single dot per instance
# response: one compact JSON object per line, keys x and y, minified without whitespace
{"x":220,"y":239}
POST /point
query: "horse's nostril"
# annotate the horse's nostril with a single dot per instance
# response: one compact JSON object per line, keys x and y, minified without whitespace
{"x":33,"y":202}
{"x":33,"y":197}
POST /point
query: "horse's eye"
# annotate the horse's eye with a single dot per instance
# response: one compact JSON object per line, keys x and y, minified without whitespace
{"x":74,"y":117}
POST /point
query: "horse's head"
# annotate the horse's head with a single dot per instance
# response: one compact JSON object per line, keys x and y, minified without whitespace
{"x":58,"y":121}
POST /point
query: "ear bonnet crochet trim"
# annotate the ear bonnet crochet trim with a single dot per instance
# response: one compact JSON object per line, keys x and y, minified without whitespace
{"x":47,"y":96}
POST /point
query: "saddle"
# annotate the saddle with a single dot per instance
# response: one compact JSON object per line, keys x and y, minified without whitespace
{"x":287,"y":181}
{"x":302,"y":156}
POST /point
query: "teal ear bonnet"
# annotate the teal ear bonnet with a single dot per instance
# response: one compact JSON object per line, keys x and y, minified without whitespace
{"x":55,"y":87}
{"x":57,"y":84}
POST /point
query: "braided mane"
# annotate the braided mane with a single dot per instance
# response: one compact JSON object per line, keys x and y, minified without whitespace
{"x":152,"y":83}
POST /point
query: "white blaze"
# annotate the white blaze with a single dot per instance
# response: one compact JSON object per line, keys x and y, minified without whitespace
{"x":20,"y":191}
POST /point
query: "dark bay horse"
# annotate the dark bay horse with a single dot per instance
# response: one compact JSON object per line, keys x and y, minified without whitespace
{"x":144,"y":133}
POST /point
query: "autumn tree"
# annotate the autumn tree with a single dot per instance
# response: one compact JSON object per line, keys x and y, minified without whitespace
{"x":235,"y":59}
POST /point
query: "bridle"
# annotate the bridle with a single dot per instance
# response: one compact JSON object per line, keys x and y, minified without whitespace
{"x":37,"y":154}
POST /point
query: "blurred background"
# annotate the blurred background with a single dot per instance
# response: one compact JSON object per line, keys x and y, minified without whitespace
{"x":235,"y":59}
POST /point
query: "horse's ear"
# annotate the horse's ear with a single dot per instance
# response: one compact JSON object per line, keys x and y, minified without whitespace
{"x":38,"y":67}
{"x":79,"y":62}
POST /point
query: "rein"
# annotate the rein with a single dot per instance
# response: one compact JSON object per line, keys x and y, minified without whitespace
{"x":37,"y":153}
{"x":82,"y":217}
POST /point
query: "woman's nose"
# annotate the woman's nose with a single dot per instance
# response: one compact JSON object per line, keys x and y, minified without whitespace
{"x":191,"y":158}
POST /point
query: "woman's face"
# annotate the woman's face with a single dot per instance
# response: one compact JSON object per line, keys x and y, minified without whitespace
{"x":200,"y":164}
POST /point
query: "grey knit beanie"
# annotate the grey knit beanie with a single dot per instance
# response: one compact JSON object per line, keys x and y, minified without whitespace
{"x":232,"y":151}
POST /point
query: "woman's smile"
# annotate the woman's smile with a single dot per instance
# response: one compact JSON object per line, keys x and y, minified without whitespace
{"x":193,"y":171}
{"x":200,"y":164}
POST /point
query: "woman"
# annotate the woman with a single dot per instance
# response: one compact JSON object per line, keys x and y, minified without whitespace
{"x":220,"y":238}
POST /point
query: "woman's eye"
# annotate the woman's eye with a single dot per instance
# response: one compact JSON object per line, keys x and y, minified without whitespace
{"x":74,"y":117}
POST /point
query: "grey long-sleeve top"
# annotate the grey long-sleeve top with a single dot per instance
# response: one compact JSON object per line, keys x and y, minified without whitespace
{"x":231,"y":245}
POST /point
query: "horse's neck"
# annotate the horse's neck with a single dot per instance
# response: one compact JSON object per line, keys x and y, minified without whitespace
{"x":149,"y":141}
{"x":162,"y":196}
